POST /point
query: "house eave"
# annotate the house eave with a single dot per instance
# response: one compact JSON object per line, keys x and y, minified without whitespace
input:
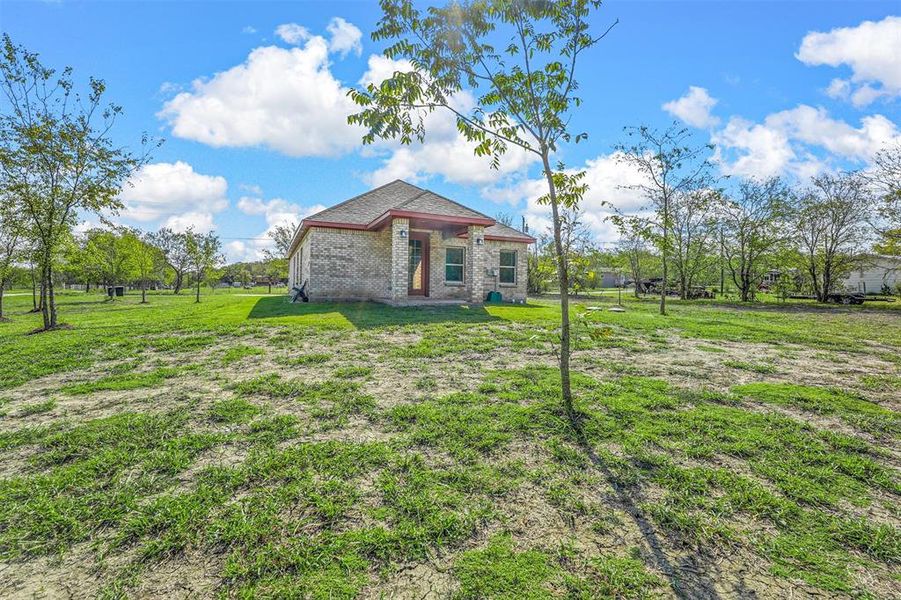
{"x":382,"y":220}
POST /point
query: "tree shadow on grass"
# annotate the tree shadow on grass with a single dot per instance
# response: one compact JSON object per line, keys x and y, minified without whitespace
{"x":368,"y":315}
{"x":689,"y":576}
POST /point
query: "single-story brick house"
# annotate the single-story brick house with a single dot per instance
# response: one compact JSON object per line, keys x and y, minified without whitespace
{"x":402,"y":244}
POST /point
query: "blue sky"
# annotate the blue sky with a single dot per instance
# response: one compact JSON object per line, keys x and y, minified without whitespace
{"x":250,"y":98}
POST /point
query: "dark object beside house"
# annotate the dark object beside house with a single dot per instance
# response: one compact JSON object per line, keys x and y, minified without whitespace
{"x":699,"y":292}
{"x":494,"y":297}
{"x":299,"y":292}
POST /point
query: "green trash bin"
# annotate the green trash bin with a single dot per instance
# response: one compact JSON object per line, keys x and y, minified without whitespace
{"x":494,"y":297}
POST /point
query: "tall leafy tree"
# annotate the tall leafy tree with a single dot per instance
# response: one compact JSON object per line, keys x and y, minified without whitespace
{"x":755,"y":227}
{"x":831,"y":226}
{"x":145,"y":260}
{"x":673,"y":167}
{"x":174,"y":247}
{"x":276,"y":259}
{"x":633,"y":247}
{"x":203,"y":255}
{"x":56,"y":153}
{"x":107,"y":256}
{"x":525,"y":91}
{"x":885,"y":179}
{"x":12,"y":243}
{"x":694,"y":229}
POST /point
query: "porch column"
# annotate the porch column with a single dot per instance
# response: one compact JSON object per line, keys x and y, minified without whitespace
{"x":476,"y":261}
{"x":400,"y":258}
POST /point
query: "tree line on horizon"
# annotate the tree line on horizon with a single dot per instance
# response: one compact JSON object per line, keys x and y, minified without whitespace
{"x":700,"y":230}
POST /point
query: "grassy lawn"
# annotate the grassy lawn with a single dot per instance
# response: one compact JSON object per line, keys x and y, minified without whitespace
{"x":247,"y":447}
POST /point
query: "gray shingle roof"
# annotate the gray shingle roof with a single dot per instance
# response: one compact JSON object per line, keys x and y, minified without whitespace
{"x":499,"y":229}
{"x":397,"y":195}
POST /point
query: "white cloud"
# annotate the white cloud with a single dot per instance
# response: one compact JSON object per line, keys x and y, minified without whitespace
{"x":249,"y":29}
{"x":285,"y":99}
{"x":445,"y":152}
{"x":789,"y":142}
{"x":694,"y":108}
{"x":175,"y":194}
{"x":761,"y":151}
{"x":380,"y":68}
{"x":200,"y":222}
{"x":292,"y":33}
{"x":345,"y":37}
{"x":871,"y":49}
{"x":276,"y":212}
{"x":610,"y":187}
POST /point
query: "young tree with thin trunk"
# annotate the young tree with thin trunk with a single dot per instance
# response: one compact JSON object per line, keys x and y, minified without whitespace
{"x":754,"y":229}
{"x":204,"y":255}
{"x":107,"y":257}
{"x":524,"y":92}
{"x":174,"y":247}
{"x":672,"y":165}
{"x":693,"y":216}
{"x":12,"y":238}
{"x":831,"y":225}
{"x":884,"y":177}
{"x":276,"y":260}
{"x":633,"y":246}
{"x":145,"y":260}
{"x":56,"y":154}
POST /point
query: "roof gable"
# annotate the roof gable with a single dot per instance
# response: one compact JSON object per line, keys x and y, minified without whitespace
{"x":372,"y":209}
{"x":397,"y":195}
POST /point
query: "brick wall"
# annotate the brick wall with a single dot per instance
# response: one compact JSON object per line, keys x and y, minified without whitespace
{"x":476,"y":263}
{"x":438,"y":288}
{"x":346,"y":264}
{"x":400,"y":256}
{"x":515,"y":291}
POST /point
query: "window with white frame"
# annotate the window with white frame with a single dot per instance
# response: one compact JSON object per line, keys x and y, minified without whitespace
{"x":453,"y":265}
{"x":507,"y":273}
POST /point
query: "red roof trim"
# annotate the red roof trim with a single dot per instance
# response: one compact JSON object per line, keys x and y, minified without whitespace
{"x":503,"y":238}
{"x":332,"y":225}
{"x":407,"y":214}
{"x":525,"y":239}
{"x":412,"y":214}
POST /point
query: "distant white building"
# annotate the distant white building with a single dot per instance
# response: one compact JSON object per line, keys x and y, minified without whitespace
{"x":874,"y":274}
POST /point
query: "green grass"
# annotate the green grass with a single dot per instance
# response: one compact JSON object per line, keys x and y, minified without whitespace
{"x":37,"y":408}
{"x":850,"y":407}
{"x":127,"y":381}
{"x":372,"y":439}
{"x":239,"y":352}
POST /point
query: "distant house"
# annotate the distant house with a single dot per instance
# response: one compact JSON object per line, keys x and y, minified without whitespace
{"x":402,"y":244}
{"x":874,"y":274}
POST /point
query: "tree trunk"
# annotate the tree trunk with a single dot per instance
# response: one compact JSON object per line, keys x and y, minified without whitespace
{"x":34,"y":291}
{"x":51,"y":296}
{"x":664,"y":253}
{"x":45,"y":311}
{"x":270,"y":286}
{"x":563,"y":277}
{"x":178,"y":282}
{"x":198,"y":289}
{"x":143,"y":292}
{"x":2,"y":285}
